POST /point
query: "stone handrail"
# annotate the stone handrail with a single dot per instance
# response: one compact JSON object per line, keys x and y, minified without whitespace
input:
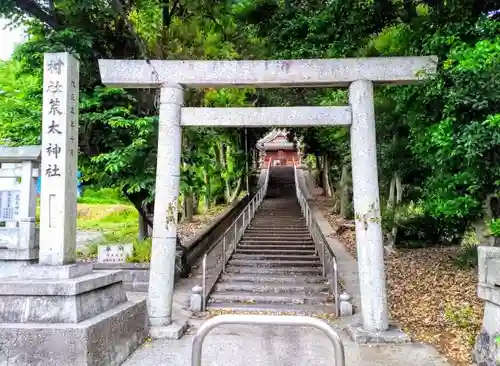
{"x":329,"y":263}
{"x":347,"y":265}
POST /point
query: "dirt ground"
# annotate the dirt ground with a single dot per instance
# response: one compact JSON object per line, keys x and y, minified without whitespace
{"x":431,"y":298}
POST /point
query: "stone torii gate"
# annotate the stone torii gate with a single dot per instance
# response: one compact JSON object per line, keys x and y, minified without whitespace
{"x":358,"y":74}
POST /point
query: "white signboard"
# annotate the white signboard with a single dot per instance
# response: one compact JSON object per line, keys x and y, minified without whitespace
{"x":114,"y":253}
{"x":9,"y":205}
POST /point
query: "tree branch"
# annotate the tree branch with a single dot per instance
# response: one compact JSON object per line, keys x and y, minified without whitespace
{"x":32,"y":8}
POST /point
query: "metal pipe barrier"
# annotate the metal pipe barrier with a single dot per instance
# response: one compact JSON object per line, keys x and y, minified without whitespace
{"x":329,"y":263}
{"x":224,"y":247}
{"x":338,"y":346}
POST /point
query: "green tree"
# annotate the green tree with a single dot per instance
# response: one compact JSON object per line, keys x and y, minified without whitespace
{"x":118,"y":128}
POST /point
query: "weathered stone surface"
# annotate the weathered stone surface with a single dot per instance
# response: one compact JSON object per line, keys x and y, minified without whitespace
{"x":61,"y":301}
{"x":366,"y":199}
{"x":174,"y":330}
{"x":18,"y":154}
{"x":266,"y":73}
{"x":196,"y":300}
{"x":31,"y":271}
{"x":104,"y":340}
{"x":19,"y":169}
{"x":266,"y":116}
{"x":487,"y":348}
{"x":18,"y":254}
{"x":135,"y":275}
{"x":164,"y":243}
{"x":362,"y":336}
{"x":59,"y":159}
{"x":60,"y":309}
{"x":9,"y":237}
{"x":59,"y":287}
{"x":345,"y":304}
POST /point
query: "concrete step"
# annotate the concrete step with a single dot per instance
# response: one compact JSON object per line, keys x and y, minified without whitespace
{"x":290,"y":214}
{"x":278,"y":247}
{"x":271,"y":263}
{"x":276,"y":257}
{"x":265,"y":237}
{"x":277,"y":219}
{"x":291,"y":243}
{"x":281,"y":271}
{"x":276,"y":309}
{"x":278,"y":223}
{"x":269,"y":227}
{"x":276,"y":216}
{"x":274,"y":251}
{"x":275,"y":233}
{"x":288,"y":230}
{"x":267,"y":298}
{"x":257,"y":279}
{"x":286,"y":211}
{"x":272,"y":288}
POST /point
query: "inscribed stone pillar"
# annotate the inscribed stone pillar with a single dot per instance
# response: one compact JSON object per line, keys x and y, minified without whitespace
{"x":367,"y":207}
{"x":59,"y":159}
{"x":162,"y":271}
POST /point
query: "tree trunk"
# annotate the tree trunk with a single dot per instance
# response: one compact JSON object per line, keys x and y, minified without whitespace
{"x":393,"y":202}
{"x":327,"y":188}
{"x":227,"y":182}
{"x":319,"y":170}
{"x":189,"y":205}
{"x":235,"y":194}
{"x":207,"y":198}
{"x":143,"y":228}
{"x":344,"y":192}
{"x":196,"y":204}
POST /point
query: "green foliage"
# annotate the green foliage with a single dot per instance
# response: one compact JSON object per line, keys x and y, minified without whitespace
{"x":462,"y":145}
{"x":441,"y":138}
{"x":463,"y":317}
{"x":141,"y":252}
{"x":119,"y":223}
{"x":118,"y":129}
{"x":495,"y":227}
{"x":102,"y":196}
{"x":467,"y":257}
{"x":20,"y":105}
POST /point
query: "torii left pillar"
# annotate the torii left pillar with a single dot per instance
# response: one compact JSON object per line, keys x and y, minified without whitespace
{"x":162,"y":270}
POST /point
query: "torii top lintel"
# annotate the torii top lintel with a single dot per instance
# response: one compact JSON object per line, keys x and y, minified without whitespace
{"x":266,"y":73}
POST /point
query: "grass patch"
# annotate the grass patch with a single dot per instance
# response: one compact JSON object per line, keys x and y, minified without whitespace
{"x":118,"y":222}
{"x":141,"y":253}
{"x":102,"y":196}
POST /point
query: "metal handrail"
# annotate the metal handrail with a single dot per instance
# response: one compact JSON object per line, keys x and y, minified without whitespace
{"x":321,"y":243}
{"x":338,"y":346}
{"x":230,"y":238}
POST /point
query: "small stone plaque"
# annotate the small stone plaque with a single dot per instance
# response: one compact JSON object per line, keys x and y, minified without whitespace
{"x":114,"y":253}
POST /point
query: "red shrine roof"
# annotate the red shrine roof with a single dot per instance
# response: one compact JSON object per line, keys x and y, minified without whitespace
{"x":276,"y":140}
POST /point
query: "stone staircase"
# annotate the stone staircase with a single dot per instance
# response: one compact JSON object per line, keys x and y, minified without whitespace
{"x":275,"y":268}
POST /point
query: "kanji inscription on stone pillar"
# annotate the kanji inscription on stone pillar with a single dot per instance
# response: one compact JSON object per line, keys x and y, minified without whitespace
{"x":59,"y":159}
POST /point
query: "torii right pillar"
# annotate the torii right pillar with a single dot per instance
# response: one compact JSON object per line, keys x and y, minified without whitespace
{"x":375,"y":319}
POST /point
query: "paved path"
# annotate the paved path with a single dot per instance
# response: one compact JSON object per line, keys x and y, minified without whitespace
{"x":85,"y":237}
{"x":236,"y":345}
{"x":278,"y":346}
